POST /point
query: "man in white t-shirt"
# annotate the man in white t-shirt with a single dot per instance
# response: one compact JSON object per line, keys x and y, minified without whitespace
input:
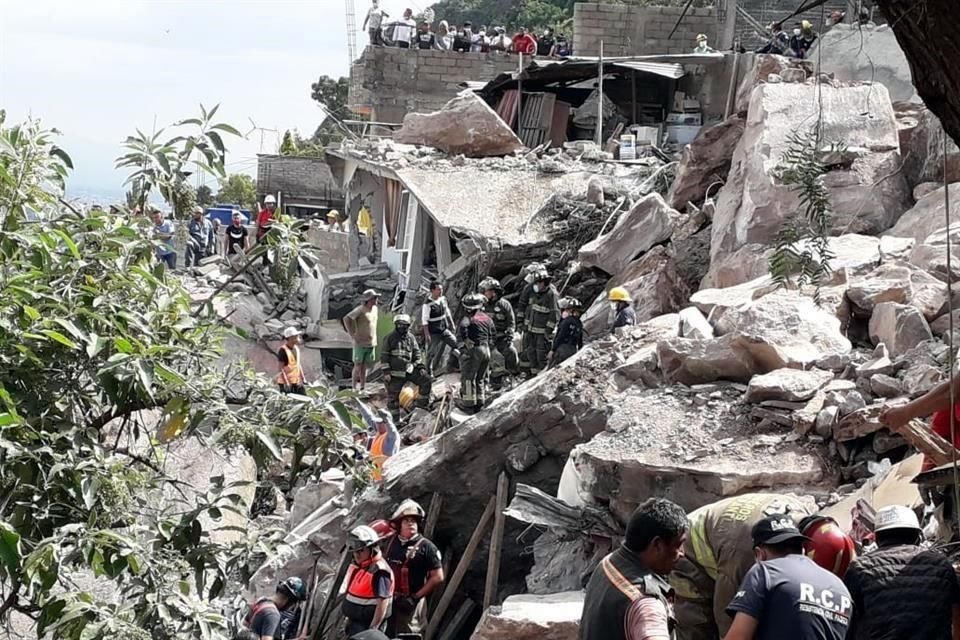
{"x":404,"y":30}
{"x":373,"y":22}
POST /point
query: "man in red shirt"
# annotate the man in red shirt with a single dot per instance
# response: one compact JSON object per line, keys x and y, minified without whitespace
{"x":264,"y":220}
{"x":936,"y":402}
{"x":524,"y":43}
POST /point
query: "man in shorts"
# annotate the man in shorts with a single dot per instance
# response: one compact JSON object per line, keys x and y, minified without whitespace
{"x":361,"y":324}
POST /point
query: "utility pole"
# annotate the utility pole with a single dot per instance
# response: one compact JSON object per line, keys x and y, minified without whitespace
{"x":729,"y":35}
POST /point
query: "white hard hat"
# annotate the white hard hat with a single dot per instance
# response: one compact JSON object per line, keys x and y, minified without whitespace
{"x":896,"y":517}
{"x":408,"y":507}
{"x":362,"y":537}
{"x":270,"y":200}
{"x":401,"y":318}
{"x":289,"y":332}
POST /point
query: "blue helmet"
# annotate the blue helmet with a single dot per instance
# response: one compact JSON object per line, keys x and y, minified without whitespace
{"x":293,"y":587}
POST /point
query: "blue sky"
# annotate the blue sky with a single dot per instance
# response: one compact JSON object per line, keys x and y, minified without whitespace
{"x":98,"y":69}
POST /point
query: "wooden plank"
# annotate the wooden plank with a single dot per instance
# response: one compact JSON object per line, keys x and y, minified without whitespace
{"x":450,"y":632}
{"x":433,"y":514}
{"x":496,"y":542}
{"x":331,"y":598}
{"x":460,"y":571}
{"x":928,"y":443}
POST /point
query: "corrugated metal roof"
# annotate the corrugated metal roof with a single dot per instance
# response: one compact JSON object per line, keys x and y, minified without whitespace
{"x":665,"y":69}
{"x":672,"y":71}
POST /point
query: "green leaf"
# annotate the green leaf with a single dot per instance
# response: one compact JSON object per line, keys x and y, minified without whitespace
{"x":227,"y":129}
{"x":9,"y":548}
{"x":59,"y":337}
{"x":71,"y":328}
{"x":31,"y":312}
{"x":195,"y":121}
{"x":270,"y":444}
{"x":71,"y":245}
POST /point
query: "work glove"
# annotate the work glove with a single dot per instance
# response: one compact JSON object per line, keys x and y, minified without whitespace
{"x":410,"y":368}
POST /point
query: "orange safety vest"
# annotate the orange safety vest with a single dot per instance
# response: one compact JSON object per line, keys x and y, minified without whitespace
{"x":292,"y":369}
{"x":377,"y":457}
{"x":360,"y":592}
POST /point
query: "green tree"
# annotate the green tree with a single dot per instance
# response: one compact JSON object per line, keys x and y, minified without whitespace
{"x":166,"y":163}
{"x":288,"y":147}
{"x":238,"y":188}
{"x":332,"y":94}
{"x":205,"y":196}
{"x":94,"y":330}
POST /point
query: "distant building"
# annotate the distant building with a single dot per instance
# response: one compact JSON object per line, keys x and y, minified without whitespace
{"x":304,"y":186}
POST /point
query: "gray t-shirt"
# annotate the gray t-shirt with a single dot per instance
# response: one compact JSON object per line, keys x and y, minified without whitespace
{"x":794,"y":599}
{"x":266,"y":622}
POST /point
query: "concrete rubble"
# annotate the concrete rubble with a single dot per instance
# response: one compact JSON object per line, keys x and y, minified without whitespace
{"x":531,"y":617}
{"x":447,"y":130}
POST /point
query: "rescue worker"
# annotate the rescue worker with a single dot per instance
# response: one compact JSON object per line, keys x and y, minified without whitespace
{"x":786,"y":594}
{"x":622,"y":305}
{"x":476,"y":334}
{"x":290,"y":379}
{"x":417,"y":568}
{"x":278,"y":617}
{"x":718,"y":553}
{"x":503,"y":320}
{"x":569,"y":338}
{"x":369,"y":583}
{"x":265,"y":219}
{"x":437,"y":322}
{"x":383,"y":445}
{"x":628,"y":596}
{"x":401,"y":357}
{"x":544,"y":314}
{"x":523,"y":306}
{"x":902,"y":591}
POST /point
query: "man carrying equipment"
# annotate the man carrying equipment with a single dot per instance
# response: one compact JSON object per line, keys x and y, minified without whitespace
{"x":401,"y":356}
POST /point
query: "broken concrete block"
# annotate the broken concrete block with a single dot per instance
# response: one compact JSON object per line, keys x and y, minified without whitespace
{"x":308,"y":498}
{"x":753,"y":204}
{"x":920,"y":378}
{"x":898,"y":326}
{"x":699,"y":361}
{"x":927,"y":216}
{"x":533,"y":617}
{"x":790,"y":385}
{"x":895,"y":249}
{"x":880,"y":363}
{"x":930,"y":256}
{"x":705,"y":161}
{"x":825,"y":421}
{"x":466,"y":124}
{"x":885,"y":386}
{"x":694,"y":325}
{"x":648,"y":223}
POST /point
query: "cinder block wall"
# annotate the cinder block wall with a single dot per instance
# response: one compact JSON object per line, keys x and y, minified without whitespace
{"x":297,"y":176}
{"x":391,"y":82}
{"x":628,"y":30}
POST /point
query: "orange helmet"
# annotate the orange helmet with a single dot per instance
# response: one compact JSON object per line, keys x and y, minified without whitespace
{"x":383,"y":528}
{"x":827,"y":544}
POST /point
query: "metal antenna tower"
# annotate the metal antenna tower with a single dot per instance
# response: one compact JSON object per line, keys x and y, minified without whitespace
{"x":351,"y":32}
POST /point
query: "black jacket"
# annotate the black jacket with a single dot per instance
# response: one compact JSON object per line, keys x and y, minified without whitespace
{"x":569,"y":331}
{"x":902,"y":593}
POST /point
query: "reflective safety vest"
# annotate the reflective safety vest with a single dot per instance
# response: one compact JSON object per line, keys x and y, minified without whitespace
{"x":360,"y":600}
{"x":377,"y":456}
{"x":292,"y":368}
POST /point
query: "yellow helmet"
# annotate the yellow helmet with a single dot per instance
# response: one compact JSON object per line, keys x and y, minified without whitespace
{"x":806,"y":25}
{"x":619,"y":294}
{"x":408,"y":395}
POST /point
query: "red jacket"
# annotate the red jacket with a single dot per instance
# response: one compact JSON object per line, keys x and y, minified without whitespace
{"x":525,"y":44}
{"x":264,"y":220}
{"x":940,"y":425}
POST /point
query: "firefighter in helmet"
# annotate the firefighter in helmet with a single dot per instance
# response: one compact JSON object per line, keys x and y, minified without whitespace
{"x":622,"y":305}
{"x":500,"y":309}
{"x":368,"y":600}
{"x":476,"y":335}
{"x":417,"y":568}
{"x":404,"y":369}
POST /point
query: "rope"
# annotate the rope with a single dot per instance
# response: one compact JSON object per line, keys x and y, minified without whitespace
{"x":951,"y":355}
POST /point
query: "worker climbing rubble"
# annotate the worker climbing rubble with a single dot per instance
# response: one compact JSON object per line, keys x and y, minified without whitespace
{"x":528,"y":273}
{"x":369,"y":583}
{"x":501,"y":311}
{"x":543,"y":313}
{"x":405,"y":377}
{"x":437,"y":322}
{"x":384,"y":444}
{"x":718,"y":553}
{"x":622,"y":305}
{"x":569,"y":338}
{"x":277,"y":616}
{"x":417,"y":568}
{"x":476,"y":335}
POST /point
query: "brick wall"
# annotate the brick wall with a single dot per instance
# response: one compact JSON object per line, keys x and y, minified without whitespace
{"x":388,"y":83}
{"x":297,"y":177}
{"x":629,"y":30}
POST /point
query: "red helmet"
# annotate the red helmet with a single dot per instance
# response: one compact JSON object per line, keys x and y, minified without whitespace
{"x":383,"y":528}
{"x":827,"y":544}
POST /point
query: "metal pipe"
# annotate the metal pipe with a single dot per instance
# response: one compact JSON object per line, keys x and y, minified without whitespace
{"x":599,"y":132}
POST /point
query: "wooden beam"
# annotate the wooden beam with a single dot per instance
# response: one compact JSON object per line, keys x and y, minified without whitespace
{"x":496,"y":542}
{"x":460,"y":571}
{"x":433,"y":514}
{"x":928,"y":443}
{"x":441,"y":242}
{"x":331,"y":598}
{"x":450,"y":632}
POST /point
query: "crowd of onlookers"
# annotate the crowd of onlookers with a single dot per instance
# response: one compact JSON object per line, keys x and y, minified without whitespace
{"x":406,"y":33}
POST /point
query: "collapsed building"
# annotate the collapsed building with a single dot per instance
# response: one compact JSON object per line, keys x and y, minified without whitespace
{"x":730,"y":382}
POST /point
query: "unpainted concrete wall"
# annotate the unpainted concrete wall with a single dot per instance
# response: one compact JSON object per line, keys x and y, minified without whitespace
{"x":629,"y":30}
{"x":389,"y":83}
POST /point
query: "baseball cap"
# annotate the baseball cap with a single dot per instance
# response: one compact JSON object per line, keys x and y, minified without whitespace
{"x":774,"y":529}
{"x":370,"y":293}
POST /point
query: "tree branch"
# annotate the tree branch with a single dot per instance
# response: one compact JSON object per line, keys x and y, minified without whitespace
{"x":11,"y":600}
